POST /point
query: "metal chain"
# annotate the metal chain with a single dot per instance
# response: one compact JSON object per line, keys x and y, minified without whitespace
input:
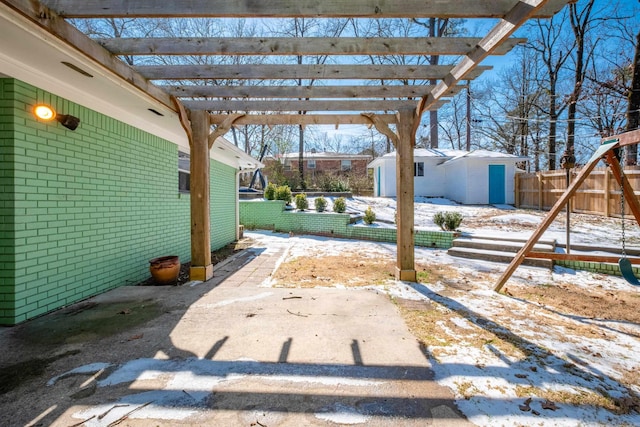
{"x":622,"y":162}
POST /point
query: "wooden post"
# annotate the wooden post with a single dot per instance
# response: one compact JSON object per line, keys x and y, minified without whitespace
{"x":516,"y":190}
{"x":405,"y":266}
{"x":629,"y":195}
{"x":201,"y":267}
{"x":555,"y":210}
{"x":540,"y":191}
{"x":607,"y":193}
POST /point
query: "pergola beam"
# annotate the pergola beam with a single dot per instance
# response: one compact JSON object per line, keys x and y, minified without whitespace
{"x":288,"y":105}
{"x":304,"y":92}
{"x":295,"y":46}
{"x":289,"y":8}
{"x":296,"y":72}
{"x":303,"y":119}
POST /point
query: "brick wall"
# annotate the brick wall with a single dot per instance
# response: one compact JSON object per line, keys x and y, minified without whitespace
{"x":84,"y":211}
{"x":358,"y":166}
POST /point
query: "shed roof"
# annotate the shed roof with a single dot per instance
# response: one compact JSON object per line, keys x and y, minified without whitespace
{"x":449,"y":155}
{"x":487,"y":154}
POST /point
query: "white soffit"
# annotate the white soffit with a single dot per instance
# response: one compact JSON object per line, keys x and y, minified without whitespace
{"x":30,"y":54}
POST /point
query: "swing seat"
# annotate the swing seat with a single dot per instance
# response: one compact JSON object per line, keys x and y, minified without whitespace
{"x":627,"y":271}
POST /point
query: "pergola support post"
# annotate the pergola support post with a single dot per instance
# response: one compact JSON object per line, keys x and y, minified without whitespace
{"x":201,"y":267}
{"x":405,"y":266}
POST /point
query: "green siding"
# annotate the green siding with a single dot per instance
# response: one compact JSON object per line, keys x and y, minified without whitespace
{"x":7,"y":256}
{"x":223,"y":210}
{"x":84,"y":211}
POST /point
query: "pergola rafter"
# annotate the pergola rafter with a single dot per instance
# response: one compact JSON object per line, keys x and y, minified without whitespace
{"x":294,"y":46}
{"x":291,"y":9}
{"x":401,"y":89}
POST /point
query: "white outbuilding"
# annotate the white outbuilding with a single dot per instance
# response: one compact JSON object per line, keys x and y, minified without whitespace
{"x":469,"y":177}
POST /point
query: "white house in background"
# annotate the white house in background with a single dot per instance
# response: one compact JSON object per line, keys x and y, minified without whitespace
{"x":475,"y":177}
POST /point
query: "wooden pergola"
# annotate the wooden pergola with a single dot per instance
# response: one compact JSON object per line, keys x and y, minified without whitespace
{"x":372,"y":95}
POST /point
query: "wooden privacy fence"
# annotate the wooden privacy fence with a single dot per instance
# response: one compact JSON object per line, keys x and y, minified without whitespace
{"x":599,"y":194}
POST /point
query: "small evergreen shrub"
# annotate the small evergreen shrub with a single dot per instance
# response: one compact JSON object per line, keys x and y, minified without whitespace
{"x":448,"y":221}
{"x":321,"y":204}
{"x":369,"y":216}
{"x":301,"y":202}
{"x":340,"y":205}
{"x":283,"y":193}
{"x":270,"y":191}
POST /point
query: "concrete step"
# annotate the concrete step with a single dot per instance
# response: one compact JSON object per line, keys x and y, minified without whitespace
{"x":496,"y":256}
{"x":511,"y":246}
{"x":506,"y":238}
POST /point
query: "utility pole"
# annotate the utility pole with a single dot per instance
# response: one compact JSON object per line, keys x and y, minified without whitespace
{"x":468,"y":115}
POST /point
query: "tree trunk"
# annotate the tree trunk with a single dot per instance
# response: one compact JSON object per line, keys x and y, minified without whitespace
{"x":633,"y":111}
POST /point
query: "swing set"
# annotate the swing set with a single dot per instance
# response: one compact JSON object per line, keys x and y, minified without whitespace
{"x":608,"y":150}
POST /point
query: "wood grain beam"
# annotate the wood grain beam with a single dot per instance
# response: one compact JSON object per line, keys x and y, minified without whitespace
{"x":305,"y":72}
{"x":200,"y":198}
{"x":223,"y":127}
{"x":383,"y":127}
{"x":291,"y":8}
{"x":303,"y":119}
{"x":405,"y":257}
{"x":304,"y":92}
{"x":299,"y":46}
{"x":251,"y":105}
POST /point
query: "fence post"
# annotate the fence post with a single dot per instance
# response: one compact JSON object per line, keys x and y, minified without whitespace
{"x":607,"y":192}
{"x":539,"y":190}
{"x":516,"y":186}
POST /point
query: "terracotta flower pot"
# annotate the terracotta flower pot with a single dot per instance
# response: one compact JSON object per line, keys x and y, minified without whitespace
{"x":165,"y":269}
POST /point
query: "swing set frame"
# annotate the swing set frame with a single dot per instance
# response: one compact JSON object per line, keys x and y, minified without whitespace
{"x":606,"y":152}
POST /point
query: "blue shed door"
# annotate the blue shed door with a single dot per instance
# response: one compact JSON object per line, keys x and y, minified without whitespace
{"x":379,"y":181}
{"x":497,"y":184}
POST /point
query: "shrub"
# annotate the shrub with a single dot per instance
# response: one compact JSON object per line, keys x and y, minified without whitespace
{"x":448,"y":221}
{"x":332,"y":182}
{"x":270,"y":191}
{"x":283,"y":193}
{"x":301,"y":202}
{"x":340,"y":205}
{"x":321,"y":204}
{"x":369,"y":216}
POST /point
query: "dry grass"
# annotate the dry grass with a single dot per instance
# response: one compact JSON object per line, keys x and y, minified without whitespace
{"x":438,"y":328}
{"x":348,"y":270}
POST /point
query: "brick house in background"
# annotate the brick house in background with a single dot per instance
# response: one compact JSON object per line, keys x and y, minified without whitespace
{"x":317,"y":163}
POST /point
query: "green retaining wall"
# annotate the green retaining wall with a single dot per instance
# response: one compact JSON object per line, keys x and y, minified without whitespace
{"x":271,"y":215}
{"x":595,"y":267}
{"x":83,"y":211}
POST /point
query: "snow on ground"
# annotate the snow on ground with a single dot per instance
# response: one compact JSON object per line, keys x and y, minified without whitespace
{"x":504,"y":220}
{"x":511,"y":361}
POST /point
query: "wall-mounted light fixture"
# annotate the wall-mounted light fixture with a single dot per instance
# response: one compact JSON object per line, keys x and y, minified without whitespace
{"x":46,"y":113}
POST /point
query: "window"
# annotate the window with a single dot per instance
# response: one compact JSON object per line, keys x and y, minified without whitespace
{"x":311,"y":164}
{"x":184,"y":174}
{"x":418,"y":169}
{"x":345,"y":165}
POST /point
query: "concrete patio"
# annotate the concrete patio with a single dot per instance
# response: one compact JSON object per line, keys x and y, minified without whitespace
{"x":232,"y":351}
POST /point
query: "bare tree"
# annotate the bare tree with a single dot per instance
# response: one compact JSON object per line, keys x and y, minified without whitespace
{"x":633,"y":110}
{"x":581,"y":21}
{"x":548,"y":43}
